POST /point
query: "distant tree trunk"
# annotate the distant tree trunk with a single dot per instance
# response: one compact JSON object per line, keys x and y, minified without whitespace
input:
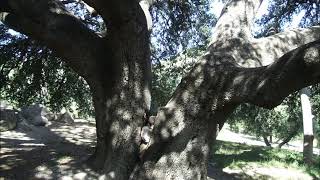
{"x":266,"y":141}
{"x":288,"y":138}
{"x":307,"y":126}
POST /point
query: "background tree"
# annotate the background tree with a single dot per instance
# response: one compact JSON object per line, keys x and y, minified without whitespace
{"x":31,"y":73}
{"x":287,"y":123}
{"x":236,"y":68}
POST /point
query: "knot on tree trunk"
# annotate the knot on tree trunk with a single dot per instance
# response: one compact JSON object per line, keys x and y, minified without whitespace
{"x":146,"y":133}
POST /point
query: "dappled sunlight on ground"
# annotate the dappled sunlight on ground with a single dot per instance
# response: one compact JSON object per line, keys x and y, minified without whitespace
{"x":227,"y":135}
{"x":231,"y":160}
{"x":83,"y":134}
{"x":54,"y":152}
{"x":256,"y":172}
{"x":59,"y":151}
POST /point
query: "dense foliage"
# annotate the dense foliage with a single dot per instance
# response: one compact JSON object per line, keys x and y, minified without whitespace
{"x":31,"y":73}
{"x":281,"y":12}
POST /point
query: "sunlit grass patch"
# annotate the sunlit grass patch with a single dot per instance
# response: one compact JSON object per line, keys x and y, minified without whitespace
{"x":255,"y":159}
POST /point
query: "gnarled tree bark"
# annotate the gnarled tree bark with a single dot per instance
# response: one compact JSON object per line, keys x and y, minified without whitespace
{"x":235,"y":69}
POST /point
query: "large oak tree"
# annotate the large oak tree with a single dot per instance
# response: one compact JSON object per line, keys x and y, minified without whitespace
{"x":236,"y":68}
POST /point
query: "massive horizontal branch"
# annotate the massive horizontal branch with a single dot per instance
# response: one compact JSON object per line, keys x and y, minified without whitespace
{"x":267,"y":86}
{"x":264,"y":51}
{"x":50,"y":23}
{"x":275,"y":46}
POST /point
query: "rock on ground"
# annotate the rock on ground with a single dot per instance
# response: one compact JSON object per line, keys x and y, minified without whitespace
{"x":37,"y":114}
{"x":8,"y":119}
{"x":66,"y":118}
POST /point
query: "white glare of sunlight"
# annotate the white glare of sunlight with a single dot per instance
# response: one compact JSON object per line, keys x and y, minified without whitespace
{"x":43,"y":172}
{"x":216,"y":8}
{"x":295,"y":20}
{"x":263,"y":9}
{"x":15,"y":135}
{"x":32,"y":144}
{"x":13,"y":32}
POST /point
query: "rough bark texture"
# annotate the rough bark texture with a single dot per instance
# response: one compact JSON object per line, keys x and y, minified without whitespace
{"x":308,"y":149}
{"x":235,"y":69}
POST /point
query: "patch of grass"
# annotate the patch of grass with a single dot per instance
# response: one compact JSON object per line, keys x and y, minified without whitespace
{"x":238,"y":156}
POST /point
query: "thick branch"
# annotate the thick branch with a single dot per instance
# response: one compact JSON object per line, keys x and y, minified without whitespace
{"x":234,"y":24}
{"x":232,"y":33}
{"x":275,"y":46}
{"x":264,"y":51}
{"x":116,"y":12}
{"x":145,"y":6}
{"x":236,"y":20}
{"x":49,"y":22}
{"x":267,"y":86}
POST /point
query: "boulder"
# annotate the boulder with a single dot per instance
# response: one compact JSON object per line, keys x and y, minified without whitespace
{"x":37,"y":114}
{"x":66,"y":118}
{"x":8,"y":119}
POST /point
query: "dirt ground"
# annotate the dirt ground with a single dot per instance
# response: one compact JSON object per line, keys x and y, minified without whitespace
{"x":59,"y":151}
{"x":54,"y":152}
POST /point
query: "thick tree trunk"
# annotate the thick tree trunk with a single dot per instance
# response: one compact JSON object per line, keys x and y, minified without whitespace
{"x":307,"y":126}
{"x":186,"y":128}
{"x":121,"y":97}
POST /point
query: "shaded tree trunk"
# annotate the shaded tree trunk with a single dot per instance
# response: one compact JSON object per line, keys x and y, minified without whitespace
{"x":291,"y":134}
{"x":286,"y":140}
{"x":235,"y":69}
{"x":266,"y":141}
{"x":307,"y":126}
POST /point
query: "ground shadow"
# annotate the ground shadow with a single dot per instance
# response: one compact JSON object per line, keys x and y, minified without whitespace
{"x":50,"y":152}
